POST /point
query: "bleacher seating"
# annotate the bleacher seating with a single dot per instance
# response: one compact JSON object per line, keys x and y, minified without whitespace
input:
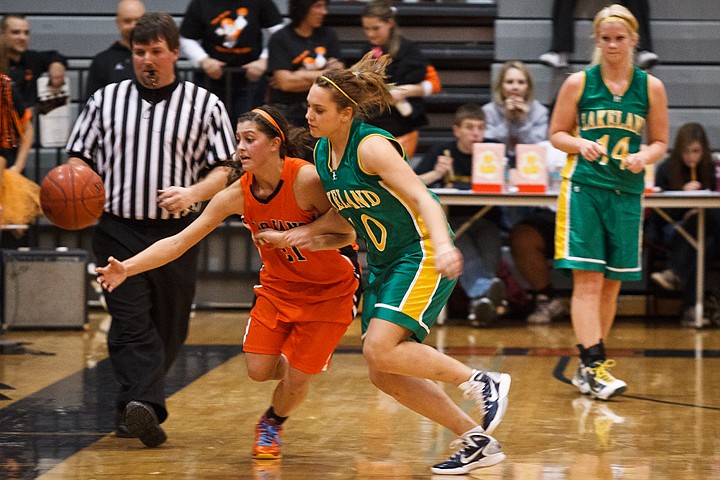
{"x":456,"y":37}
{"x":466,"y":41}
{"x":684,"y":35}
{"x":462,"y":40}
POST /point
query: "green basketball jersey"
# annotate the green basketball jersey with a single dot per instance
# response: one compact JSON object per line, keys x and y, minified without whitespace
{"x":615,"y":121}
{"x":389,"y":226}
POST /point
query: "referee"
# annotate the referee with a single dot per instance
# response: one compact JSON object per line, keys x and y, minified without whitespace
{"x":150,"y":139}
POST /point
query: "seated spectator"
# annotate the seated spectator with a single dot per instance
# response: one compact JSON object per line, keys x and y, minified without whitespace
{"x":563,"y":33}
{"x":410,"y":72}
{"x":220,"y":35}
{"x":689,"y":167}
{"x":15,"y":154}
{"x":115,"y":64}
{"x":19,"y":197}
{"x":532,"y":245}
{"x":450,"y":165}
{"x":298,"y":54}
{"x":25,"y":65}
{"x":514,"y":116}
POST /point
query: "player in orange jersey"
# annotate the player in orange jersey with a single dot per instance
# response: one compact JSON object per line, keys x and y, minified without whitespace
{"x":307,"y":295}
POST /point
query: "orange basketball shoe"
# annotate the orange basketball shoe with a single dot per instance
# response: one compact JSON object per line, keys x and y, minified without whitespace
{"x":267,"y":444}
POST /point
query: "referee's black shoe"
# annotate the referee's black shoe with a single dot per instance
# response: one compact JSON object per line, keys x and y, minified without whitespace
{"x":142,"y":422}
{"x":121,"y":429}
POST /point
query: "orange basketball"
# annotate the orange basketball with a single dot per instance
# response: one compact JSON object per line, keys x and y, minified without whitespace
{"x":72,"y":196}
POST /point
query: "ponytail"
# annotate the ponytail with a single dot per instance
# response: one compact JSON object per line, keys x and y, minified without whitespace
{"x":361,"y":87}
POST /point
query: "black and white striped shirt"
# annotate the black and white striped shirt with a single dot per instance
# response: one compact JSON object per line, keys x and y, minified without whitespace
{"x":143,"y":140}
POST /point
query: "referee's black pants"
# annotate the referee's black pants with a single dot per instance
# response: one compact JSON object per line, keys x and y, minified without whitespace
{"x":150,"y":311}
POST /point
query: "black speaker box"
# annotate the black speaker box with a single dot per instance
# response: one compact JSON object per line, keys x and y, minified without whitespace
{"x":44,"y":288}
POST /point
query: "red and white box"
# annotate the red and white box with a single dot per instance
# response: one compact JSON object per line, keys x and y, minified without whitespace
{"x":531,"y":165}
{"x":488,"y":165}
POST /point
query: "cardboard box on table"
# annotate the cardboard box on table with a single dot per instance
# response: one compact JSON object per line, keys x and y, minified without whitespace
{"x":488,"y":167}
{"x":531,"y":166}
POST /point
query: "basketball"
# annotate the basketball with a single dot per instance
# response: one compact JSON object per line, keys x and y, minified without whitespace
{"x":72,"y":196}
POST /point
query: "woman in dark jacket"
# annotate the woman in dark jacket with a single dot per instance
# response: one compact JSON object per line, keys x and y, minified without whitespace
{"x":689,"y":167}
{"x":410,"y":73}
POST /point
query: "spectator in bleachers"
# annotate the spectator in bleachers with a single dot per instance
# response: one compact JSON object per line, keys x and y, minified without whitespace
{"x":689,"y":167}
{"x":450,"y":165}
{"x":298,"y":54}
{"x":217,"y":35}
{"x":15,"y":155}
{"x":532,"y":248}
{"x":514,"y":116}
{"x":19,"y":197}
{"x":563,"y":33}
{"x":410,"y":73}
{"x":25,"y":65}
{"x":115,"y":63}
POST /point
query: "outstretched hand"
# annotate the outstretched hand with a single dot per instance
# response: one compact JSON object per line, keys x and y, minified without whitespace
{"x":111,"y":275}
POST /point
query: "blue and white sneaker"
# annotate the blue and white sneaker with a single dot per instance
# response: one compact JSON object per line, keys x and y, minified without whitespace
{"x":580,"y":381}
{"x":603,"y":384}
{"x":489,"y":391}
{"x":477,"y":450}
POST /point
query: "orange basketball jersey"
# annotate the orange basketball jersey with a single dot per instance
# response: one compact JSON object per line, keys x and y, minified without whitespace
{"x":290,"y":275}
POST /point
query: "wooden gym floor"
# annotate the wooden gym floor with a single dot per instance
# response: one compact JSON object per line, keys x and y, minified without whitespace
{"x":56,"y":392}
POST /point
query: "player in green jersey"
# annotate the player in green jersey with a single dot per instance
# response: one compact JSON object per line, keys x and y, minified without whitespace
{"x":599,"y":116}
{"x":413,"y":264}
